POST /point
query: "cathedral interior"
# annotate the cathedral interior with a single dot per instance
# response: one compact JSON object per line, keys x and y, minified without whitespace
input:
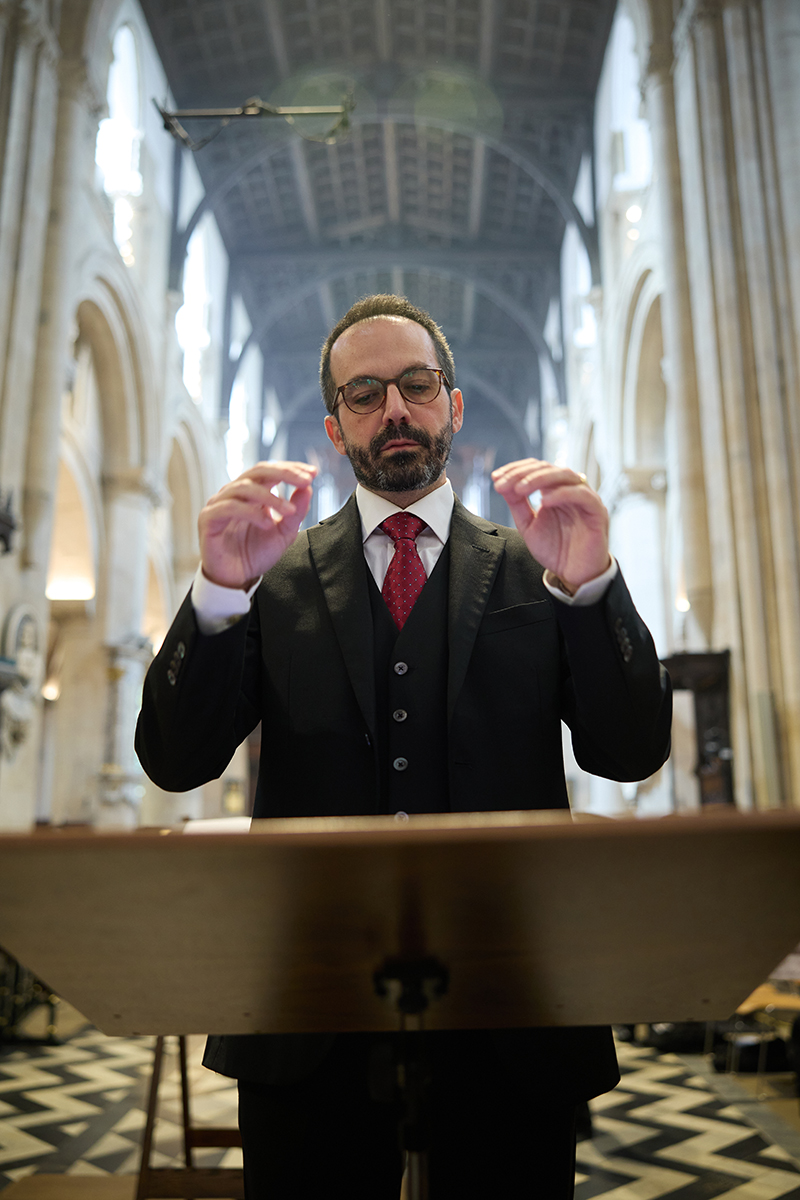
{"x":597,"y":202}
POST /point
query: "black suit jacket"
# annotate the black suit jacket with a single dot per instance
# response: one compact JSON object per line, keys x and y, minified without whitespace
{"x":518,"y":663}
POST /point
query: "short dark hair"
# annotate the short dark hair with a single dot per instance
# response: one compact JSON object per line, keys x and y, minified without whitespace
{"x":366,"y":309}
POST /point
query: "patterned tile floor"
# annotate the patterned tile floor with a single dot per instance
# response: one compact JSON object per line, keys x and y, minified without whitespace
{"x":667,"y":1130}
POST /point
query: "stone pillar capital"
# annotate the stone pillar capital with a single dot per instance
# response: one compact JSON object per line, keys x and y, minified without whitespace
{"x":76,"y":84}
{"x":132,"y":648}
{"x":134,"y":481}
{"x":660,"y":61}
{"x":35,"y":29}
{"x":694,"y":13}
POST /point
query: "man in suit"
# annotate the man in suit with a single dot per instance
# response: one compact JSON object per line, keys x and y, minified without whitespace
{"x":406,"y":656}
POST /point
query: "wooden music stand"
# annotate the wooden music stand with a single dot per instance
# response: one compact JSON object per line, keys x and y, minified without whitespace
{"x":538,"y":920}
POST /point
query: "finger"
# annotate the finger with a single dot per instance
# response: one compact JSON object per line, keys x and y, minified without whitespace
{"x":540,"y":477}
{"x":250,"y":492}
{"x":522,"y":512}
{"x":269,"y":473}
{"x":519,"y":464}
{"x":301,"y":501}
{"x":235,"y":512}
{"x":572,"y":496}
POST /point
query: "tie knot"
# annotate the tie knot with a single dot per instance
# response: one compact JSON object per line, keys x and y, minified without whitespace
{"x":401,"y":526}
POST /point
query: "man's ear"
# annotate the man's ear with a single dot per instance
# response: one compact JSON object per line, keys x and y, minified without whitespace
{"x":457,"y":401}
{"x":335,"y":434}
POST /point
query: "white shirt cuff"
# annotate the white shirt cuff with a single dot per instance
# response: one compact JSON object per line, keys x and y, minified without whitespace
{"x":588,"y":593}
{"x":217,"y":608}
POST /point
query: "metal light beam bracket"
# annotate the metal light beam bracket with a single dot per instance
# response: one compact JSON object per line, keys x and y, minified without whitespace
{"x":256,"y":107}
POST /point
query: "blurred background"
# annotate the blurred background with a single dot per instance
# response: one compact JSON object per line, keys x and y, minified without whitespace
{"x":595,"y":200}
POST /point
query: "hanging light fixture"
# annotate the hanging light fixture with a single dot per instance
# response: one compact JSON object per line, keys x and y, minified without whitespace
{"x":256,"y":107}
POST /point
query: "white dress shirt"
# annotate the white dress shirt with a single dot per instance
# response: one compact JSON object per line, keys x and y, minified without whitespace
{"x":217,"y":607}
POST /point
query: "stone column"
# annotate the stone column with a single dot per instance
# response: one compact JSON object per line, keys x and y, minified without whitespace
{"x":129,"y":500}
{"x":22,"y":293}
{"x":728,"y":379}
{"x":77,"y":113}
{"x":12,"y":168}
{"x":121,"y":785}
{"x":774,"y":394}
{"x":680,"y":375}
{"x":6,"y":11}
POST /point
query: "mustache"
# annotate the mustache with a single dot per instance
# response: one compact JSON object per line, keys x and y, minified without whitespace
{"x":409,"y":433}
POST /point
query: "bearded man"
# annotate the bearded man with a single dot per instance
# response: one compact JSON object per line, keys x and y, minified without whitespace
{"x":405,"y":656}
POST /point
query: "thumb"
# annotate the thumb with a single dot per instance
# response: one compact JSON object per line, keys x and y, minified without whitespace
{"x":521,"y":511}
{"x":301,"y":499}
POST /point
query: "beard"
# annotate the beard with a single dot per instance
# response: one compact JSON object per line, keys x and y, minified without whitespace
{"x":405,"y":470}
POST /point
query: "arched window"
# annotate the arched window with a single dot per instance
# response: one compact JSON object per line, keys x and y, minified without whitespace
{"x":119,"y":137}
{"x":192,"y":318}
{"x":632,"y":157}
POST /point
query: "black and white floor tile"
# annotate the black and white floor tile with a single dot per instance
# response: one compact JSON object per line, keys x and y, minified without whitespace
{"x":664,"y":1132}
{"x":79,"y":1108}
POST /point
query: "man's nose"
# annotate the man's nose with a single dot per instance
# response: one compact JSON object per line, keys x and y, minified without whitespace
{"x":395,"y":410}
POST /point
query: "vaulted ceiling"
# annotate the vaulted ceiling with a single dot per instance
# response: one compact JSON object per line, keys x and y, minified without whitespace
{"x":452,"y":187}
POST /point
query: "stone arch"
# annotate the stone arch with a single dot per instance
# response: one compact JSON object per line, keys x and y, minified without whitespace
{"x":187,"y":494}
{"x":75,"y":549}
{"x":107,"y":317}
{"x":639,"y":525}
{"x":644,"y":394}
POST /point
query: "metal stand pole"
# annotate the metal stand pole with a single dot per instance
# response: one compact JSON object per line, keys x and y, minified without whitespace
{"x":411,"y":984}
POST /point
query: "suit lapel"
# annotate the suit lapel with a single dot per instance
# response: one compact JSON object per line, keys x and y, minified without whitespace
{"x":475,"y":553}
{"x":338,"y":557}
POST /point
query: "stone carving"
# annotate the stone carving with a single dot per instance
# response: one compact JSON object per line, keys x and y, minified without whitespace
{"x":22,"y":646}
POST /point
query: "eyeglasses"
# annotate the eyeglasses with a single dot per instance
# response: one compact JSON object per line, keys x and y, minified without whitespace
{"x":417,"y":385}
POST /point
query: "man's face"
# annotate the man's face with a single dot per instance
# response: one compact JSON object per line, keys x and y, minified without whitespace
{"x":403,"y":447}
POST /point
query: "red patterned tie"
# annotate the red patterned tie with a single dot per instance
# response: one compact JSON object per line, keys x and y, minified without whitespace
{"x":406,"y":576}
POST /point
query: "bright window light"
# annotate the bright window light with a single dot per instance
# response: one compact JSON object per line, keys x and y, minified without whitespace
{"x":238,"y":434}
{"x":634,"y":213}
{"x":191,"y":319}
{"x":633,"y":234}
{"x":70,"y":587}
{"x":118,"y":140}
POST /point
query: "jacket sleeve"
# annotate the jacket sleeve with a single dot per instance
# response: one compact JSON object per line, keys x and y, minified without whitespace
{"x":616,"y":696}
{"x":200,"y":700}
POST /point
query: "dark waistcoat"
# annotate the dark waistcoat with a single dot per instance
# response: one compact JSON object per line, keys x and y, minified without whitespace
{"x":411,"y":698}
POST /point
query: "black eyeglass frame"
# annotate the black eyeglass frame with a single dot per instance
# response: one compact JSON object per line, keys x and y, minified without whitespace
{"x":365,"y":412}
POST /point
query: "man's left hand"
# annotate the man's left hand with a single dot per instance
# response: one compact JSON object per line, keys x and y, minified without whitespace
{"x":568,"y":533}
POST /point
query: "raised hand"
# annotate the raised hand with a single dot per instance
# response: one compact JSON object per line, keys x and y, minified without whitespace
{"x":245,"y":528}
{"x":568,"y":534}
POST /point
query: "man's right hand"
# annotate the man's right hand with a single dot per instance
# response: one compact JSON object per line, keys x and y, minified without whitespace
{"x":245,"y":528}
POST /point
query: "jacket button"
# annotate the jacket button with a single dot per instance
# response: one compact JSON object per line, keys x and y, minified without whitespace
{"x":399,"y":714}
{"x":180,"y":649}
{"x":171,"y":676}
{"x":400,"y":764}
{"x":627,"y":654}
{"x":401,"y":668}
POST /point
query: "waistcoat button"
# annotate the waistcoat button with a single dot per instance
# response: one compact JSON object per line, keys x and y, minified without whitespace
{"x":400,"y":764}
{"x":400,"y":668}
{"x":399,"y":714}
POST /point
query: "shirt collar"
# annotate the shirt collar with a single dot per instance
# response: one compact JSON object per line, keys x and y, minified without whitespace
{"x":435,"y":509}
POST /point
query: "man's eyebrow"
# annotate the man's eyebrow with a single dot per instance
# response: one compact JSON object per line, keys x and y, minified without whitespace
{"x":411,"y":367}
